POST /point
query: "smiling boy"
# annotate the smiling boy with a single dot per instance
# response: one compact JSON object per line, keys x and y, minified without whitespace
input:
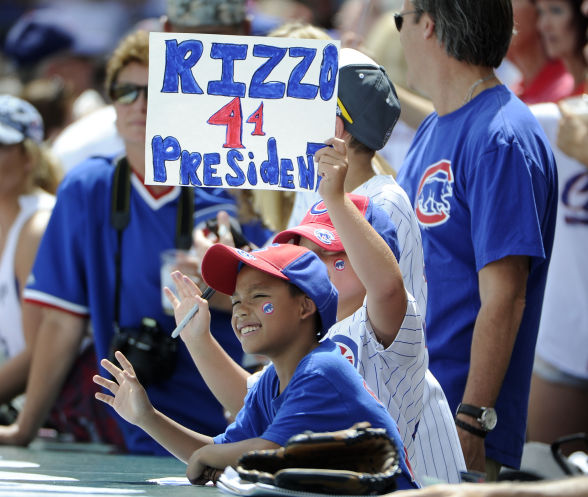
{"x":283,"y":304}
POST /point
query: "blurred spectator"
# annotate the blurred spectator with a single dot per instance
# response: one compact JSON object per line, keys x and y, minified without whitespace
{"x":542,"y":79}
{"x":51,"y":98}
{"x":383,"y":44}
{"x":28,"y":180}
{"x":355,"y":18}
{"x":558,"y":404}
{"x":563,"y":30}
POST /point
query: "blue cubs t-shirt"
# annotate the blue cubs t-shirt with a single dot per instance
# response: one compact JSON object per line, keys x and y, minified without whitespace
{"x":326,"y":393}
{"x":483,"y":184}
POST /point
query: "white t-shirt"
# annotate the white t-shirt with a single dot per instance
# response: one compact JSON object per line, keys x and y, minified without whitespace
{"x":563,"y":331}
{"x":11,"y":332}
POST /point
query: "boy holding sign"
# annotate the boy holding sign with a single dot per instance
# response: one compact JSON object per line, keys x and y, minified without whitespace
{"x":367,"y":112}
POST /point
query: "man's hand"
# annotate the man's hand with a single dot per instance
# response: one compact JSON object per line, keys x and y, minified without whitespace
{"x":332,"y":168}
{"x":128,"y":398}
{"x":474,"y":452}
{"x":12,"y":435}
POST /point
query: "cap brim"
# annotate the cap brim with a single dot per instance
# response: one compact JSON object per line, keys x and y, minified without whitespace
{"x":313,"y":232}
{"x":220,"y":266}
{"x":10,"y":136}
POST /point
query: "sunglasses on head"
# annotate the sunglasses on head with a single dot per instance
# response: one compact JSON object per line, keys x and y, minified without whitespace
{"x":399,"y":18}
{"x":126,"y":93}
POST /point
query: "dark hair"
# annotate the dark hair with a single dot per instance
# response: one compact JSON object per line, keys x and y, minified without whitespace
{"x":474,"y":31}
{"x":295,"y":292}
{"x":360,"y":147}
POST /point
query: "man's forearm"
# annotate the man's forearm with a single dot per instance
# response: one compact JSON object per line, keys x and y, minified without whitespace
{"x":56,"y":348}
{"x":502,"y":294}
{"x":13,"y":376}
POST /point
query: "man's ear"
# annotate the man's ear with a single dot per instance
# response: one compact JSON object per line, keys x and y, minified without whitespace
{"x":429,"y":26}
{"x":308,"y":307}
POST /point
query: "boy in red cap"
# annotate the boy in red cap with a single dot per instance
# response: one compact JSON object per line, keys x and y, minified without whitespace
{"x":283,"y":304}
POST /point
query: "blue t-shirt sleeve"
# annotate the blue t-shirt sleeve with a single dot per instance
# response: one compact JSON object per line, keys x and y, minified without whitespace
{"x":499,"y":226}
{"x":59,"y":266}
{"x":209,"y":201}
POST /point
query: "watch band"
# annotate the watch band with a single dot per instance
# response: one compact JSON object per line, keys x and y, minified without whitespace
{"x":469,"y":410}
{"x":472,"y":429}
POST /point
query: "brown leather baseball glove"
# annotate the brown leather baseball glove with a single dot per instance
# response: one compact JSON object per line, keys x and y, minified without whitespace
{"x":360,"y":460}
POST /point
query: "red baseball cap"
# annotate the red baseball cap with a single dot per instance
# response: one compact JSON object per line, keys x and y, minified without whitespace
{"x":298,"y":265}
{"x":318,"y":227}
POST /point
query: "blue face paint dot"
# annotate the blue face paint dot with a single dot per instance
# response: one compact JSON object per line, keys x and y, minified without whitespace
{"x":250,"y":154}
{"x":268,"y":308}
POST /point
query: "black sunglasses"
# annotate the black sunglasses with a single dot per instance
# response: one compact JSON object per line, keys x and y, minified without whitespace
{"x":126,"y":93}
{"x":399,"y":18}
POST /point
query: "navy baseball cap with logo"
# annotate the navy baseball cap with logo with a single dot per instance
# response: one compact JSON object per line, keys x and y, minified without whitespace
{"x":298,"y":265}
{"x":318,"y":227}
{"x":366,"y":99}
{"x":19,"y":120}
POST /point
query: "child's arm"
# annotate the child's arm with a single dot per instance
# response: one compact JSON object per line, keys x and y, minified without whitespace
{"x":226,"y":379}
{"x":220,"y":456}
{"x":130,"y":401}
{"x":368,"y":253}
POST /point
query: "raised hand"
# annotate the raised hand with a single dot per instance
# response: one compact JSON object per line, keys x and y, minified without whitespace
{"x":188,"y":295}
{"x":332,"y":168}
{"x":128,"y":398}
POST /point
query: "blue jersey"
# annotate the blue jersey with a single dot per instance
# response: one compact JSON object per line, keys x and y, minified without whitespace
{"x":326,"y":393}
{"x":483,"y":184}
{"x":74,"y":271}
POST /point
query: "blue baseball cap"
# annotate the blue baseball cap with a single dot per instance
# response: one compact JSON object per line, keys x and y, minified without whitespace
{"x":19,"y":120}
{"x":292,"y":263}
{"x":318,"y":227}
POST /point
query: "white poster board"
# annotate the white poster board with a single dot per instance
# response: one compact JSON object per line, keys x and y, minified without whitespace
{"x":238,"y":111}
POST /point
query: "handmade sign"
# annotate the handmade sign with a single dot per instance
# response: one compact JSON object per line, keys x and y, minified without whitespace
{"x":238,"y":111}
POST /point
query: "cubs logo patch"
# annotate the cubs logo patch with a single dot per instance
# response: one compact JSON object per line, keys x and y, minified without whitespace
{"x":339,"y":264}
{"x":268,"y":308}
{"x":318,"y":208}
{"x":347,"y":347}
{"x":434,"y":193}
{"x":247,"y":255}
{"x":325,"y":236}
{"x":574,"y":199}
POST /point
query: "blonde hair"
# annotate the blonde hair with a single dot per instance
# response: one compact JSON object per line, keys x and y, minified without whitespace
{"x":300,"y":30}
{"x":47,"y":172}
{"x":275,"y":206}
{"x":133,"y":48}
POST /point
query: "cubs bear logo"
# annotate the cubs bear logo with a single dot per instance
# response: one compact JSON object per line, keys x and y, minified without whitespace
{"x":434,"y":193}
{"x":325,"y":236}
{"x":347,"y":347}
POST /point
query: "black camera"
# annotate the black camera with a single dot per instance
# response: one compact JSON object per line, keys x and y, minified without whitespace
{"x":150,"y":350}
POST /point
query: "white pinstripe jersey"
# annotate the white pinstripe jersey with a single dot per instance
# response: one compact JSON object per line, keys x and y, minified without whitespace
{"x":435,"y":450}
{"x":389,"y":196}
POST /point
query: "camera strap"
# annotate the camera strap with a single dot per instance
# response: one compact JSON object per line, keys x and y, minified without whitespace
{"x":120,"y":216}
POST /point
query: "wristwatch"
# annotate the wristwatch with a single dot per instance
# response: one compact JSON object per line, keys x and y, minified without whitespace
{"x":486,"y":416}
